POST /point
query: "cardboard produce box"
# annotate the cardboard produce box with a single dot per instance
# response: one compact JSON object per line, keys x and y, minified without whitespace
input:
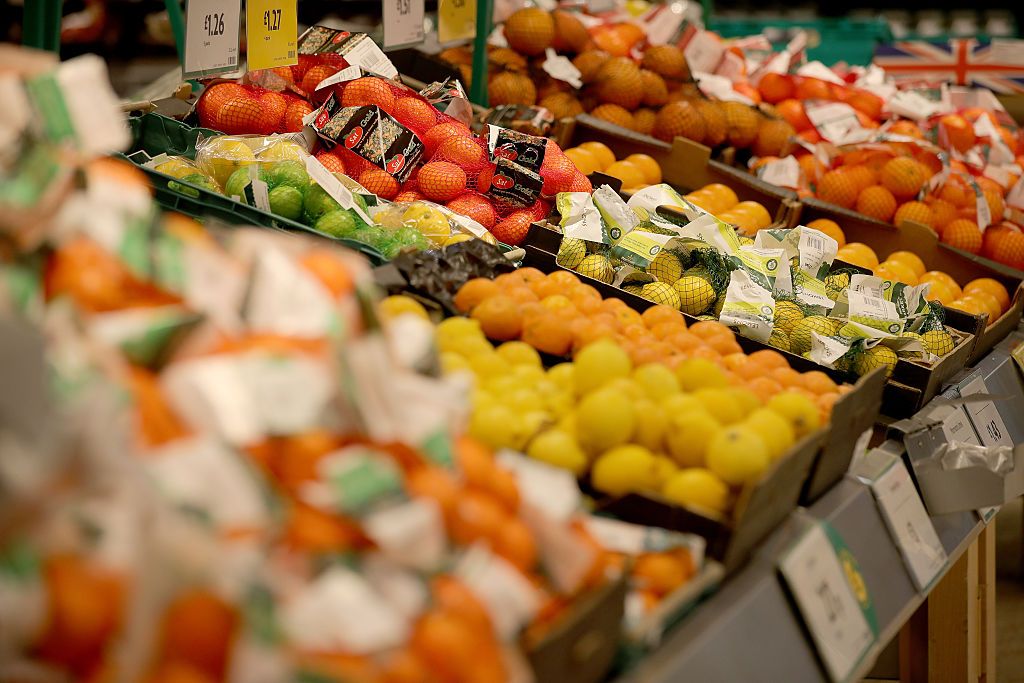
{"x":885,"y":238}
{"x":685,"y":164}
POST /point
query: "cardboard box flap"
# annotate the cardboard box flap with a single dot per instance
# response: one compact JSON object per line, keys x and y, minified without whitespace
{"x":968,"y":488}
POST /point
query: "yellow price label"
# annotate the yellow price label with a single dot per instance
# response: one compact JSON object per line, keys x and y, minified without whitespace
{"x":273,"y":29}
{"x":456,"y":20}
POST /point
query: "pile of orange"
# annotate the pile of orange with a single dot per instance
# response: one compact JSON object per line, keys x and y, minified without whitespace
{"x":720,"y":200}
{"x":979,"y":296}
{"x":559,"y":315}
{"x":636,"y":171}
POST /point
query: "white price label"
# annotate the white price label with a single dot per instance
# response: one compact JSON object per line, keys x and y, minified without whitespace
{"x":909,"y":523}
{"x":403,"y":23}
{"x":819,"y":584}
{"x":783,"y":172}
{"x":704,"y":52}
{"x":985,"y":417}
{"x":211,"y":37}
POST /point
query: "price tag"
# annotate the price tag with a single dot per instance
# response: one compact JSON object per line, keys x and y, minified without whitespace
{"x":273,"y":30}
{"x":211,"y":37}
{"x":820,"y":583}
{"x":908,"y":521}
{"x":403,"y":23}
{"x":456,"y":20}
{"x":783,"y":172}
{"x":984,"y":415}
{"x":703,"y":52}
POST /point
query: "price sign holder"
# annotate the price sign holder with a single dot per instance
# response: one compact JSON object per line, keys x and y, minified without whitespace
{"x":905,"y":516}
{"x":403,"y":23}
{"x":824,"y":580}
{"x":211,"y":38}
{"x":273,"y":30}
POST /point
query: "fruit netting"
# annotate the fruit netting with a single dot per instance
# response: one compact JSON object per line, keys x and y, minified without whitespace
{"x":238,"y":109}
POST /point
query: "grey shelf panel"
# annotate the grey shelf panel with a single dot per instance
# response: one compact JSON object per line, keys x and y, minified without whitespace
{"x":749,"y":630}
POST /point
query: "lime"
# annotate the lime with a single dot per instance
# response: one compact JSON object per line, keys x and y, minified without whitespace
{"x":410,"y":238}
{"x":338,"y":223}
{"x":202,"y":180}
{"x":286,"y":201}
{"x":291,"y":173}
{"x":371,"y":235}
{"x":317,"y":202}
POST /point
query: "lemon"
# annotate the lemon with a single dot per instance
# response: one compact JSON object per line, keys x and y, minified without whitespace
{"x":721,"y":404}
{"x":563,"y":375}
{"x":651,"y":425}
{"x":559,"y":448}
{"x":282,"y":150}
{"x":697,"y":487}
{"x":598,"y":267}
{"x":835,"y":284}
{"x":605,"y":419}
{"x":452,"y":362}
{"x":394,"y":306}
{"x":798,"y":409}
{"x":696,"y":295}
{"x":495,"y":425}
{"x":700,"y":373}
{"x":177,"y":167}
{"x":664,"y":469}
{"x":429,"y":221}
{"x":779,"y":340}
{"x":456,"y":238}
{"x":222,"y":156}
{"x":876,"y":357}
{"x":679,"y":404}
{"x":571,"y":253}
{"x":657,"y":380}
{"x":800,"y":336}
{"x":666,"y":267}
{"x":626,"y":469}
{"x":938,"y":342}
{"x":660,"y":293}
{"x":775,"y":430}
{"x":747,"y":399}
{"x":519,"y":353}
{"x":737,"y":455}
{"x":599,"y":363}
{"x":688,"y":437}
{"x":787,"y":314}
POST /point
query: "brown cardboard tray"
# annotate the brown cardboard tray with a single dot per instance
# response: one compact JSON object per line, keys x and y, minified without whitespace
{"x":582,"y":646}
{"x":885,"y":238}
{"x":685,"y":164}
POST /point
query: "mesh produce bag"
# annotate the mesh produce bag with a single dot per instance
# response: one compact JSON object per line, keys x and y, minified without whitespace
{"x":239,"y":109}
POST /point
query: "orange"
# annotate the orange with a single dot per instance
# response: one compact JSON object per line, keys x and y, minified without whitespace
{"x":793,"y":111}
{"x":996,"y":205}
{"x":991,"y":303}
{"x":787,"y":377}
{"x":956,"y":194}
{"x":909,"y":259}
{"x":818,"y":382}
{"x":970,"y":305}
{"x":993,"y":287}
{"x":877,"y":202}
{"x":902,"y":176}
{"x":918,"y":212}
{"x":811,"y":167}
{"x":899,"y":272}
{"x":710,"y":329}
{"x":647,"y":165}
{"x":812,"y":89}
{"x":963,"y":234}
{"x":548,"y":333}
{"x":775,"y":87}
{"x":758,"y":214}
{"x":1010,"y":250}
{"x":942,"y":213}
{"x":768,"y":358}
{"x":475,"y":291}
{"x":723,"y":194}
{"x":499,"y":317}
{"x":516,"y":544}
{"x":838,"y":187}
{"x":938,"y":275}
{"x":600,"y":150}
{"x":830,"y":228}
{"x":586,"y":161}
{"x":662,"y":314}
{"x":865,"y":255}
{"x":631,"y":175}
{"x":908,"y":128}
{"x":764,"y":387}
{"x":941,"y":291}
{"x":956,"y":132}
{"x":862,"y":176}
{"x":661,"y":573}
{"x":197,"y":630}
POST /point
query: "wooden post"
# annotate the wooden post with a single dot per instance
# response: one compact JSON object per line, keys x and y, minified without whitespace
{"x":952,"y":636}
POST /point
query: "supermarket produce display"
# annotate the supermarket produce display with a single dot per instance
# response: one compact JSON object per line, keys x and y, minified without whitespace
{"x":322,"y":372}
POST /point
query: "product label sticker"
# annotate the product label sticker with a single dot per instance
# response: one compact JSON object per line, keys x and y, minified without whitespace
{"x":371,"y":133}
{"x":456,"y":20}
{"x":562,"y":69}
{"x":783,"y":172}
{"x":211,"y":38}
{"x":514,"y":183}
{"x":511,"y":145}
{"x":272,"y":29}
{"x":358,"y":49}
{"x":909,"y":524}
{"x":403,"y":23}
{"x":830,"y":593}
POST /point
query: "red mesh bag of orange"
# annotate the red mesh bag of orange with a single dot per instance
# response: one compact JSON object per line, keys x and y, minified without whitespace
{"x":238,"y":109}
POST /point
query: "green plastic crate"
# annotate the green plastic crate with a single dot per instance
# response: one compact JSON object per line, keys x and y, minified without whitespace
{"x":829,"y":40}
{"x":154,"y":135}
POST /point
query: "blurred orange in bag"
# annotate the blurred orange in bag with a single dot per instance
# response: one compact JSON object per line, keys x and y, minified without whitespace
{"x":957,"y":132}
{"x":84,"y":612}
{"x":329,"y":269}
{"x":156,"y":421}
{"x":198,"y":629}
{"x":907,"y":128}
{"x":97,"y":281}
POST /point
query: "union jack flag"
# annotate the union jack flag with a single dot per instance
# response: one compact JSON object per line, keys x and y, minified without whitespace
{"x":997,"y":65}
